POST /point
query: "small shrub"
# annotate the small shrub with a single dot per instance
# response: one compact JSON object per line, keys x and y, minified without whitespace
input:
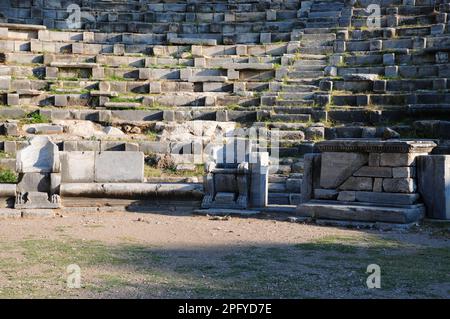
{"x":7,"y":176}
{"x":36,"y":118}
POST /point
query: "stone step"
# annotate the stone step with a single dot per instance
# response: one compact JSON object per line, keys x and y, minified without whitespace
{"x":321,"y":14}
{"x":318,"y":37}
{"x":298,"y":88}
{"x":305,"y":74}
{"x":322,"y":50}
{"x":122,"y":105}
{"x":361,"y":212}
{"x":273,"y":178}
{"x":295,"y":96}
{"x":277,"y":187}
{"x":318,"y":30}
{"x":305,"y":103}
{"x":291,"y":110}
{"x":321,"y":25}
{"x":303,"y":68}
{"x":309,"y":63}
{"x":279,"y":199}
{"x":290,"y":117}
{"x":303,"y":81}
{"x":280,"y":169}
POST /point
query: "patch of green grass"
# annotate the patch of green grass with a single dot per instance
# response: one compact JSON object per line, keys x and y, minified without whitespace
{"x":125,"y":100}
{"x":8,"y":176}
{"x":36,"y":118}
{"x":152,"y":171}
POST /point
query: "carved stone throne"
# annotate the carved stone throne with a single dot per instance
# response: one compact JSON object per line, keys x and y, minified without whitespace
{"x":38,"y":166}
{"x":236,"y":184}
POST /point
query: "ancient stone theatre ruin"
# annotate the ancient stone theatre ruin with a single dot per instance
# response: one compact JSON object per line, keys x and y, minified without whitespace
{"x":328,"y":110}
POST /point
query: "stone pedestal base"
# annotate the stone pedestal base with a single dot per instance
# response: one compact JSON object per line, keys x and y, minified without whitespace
{"x":362,"y":212}
{"x":37,"y":200}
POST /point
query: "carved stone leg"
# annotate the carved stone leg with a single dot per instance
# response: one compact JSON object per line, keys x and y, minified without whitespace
{"x":242,"y":185}
{"x":209,"y":191}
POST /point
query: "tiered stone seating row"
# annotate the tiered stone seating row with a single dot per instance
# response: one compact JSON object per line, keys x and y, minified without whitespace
{"x":398,"y":71}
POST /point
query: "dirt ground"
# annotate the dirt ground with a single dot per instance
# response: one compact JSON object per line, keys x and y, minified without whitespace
{"x":177,"y":255}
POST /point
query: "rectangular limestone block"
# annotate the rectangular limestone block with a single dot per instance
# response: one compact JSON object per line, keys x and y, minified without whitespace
{"x":404,"y":172}
{"x":367,"y":171}
{"x":357,"y":184}
{"x":387,"y":198}
{"x":119,"y":167}
{"x":399,"y":185}
{"x":433,"y":176}
{"x":337,"y":167}
{"x":311,"y":175}
{"x":77,"y":167}
{"x":397,"y":159}
{"x":326,"y":194}
{"x":378,"y":185}
{"x":347,"y":196}
{"x":34,"y":182}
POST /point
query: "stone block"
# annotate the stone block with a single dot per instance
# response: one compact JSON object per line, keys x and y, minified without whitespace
{"x":342,"y":35}
{"x":311,"y":175}
{"x":387,"y":198}
{"x":376,"y":45}
{"x":404,"y":172}
{"x":391,"y":71}
{"x":155,"y":87}
{"x":389,"y":33}
{"x":437,"y":29}
{"x":337,"y":167}
{"x":374,"y":159}
{"x":379,"y":86}
{"x":13,"y":99}
{"x":392,"y":21}
{"x":33,"y":182}
{"x":441,"y":57}
{"x":433,"y":176}
{"x":397,"y":159}
{"x":357,"y":184}
{"x":232,"y":74}
{"x":315,"y":133}
{"x":346,"y":196}
{"x":51,"y":72}
{"x":271,"y":15}
{"x":389,"y":59}
{"x":363,"y":100}
{"x":5,"y":82}
{"x":77,"y":167}
{"x":241,"y":50}
{"x":368,"y":171}
{"x":265,"y":38}
{"x":340,"y":46}
{"x":419,"y":43}
{"x":294,"y":185}
{"x":55,"y":183}
{"x":440,"y":84}
{"x":119,"y":49}
{"x":326,"y":85}
{"x":378,"y":185}
{"x":40,"y":156}
{"x":119,"y":167}
{"x":331,"y":71}
{"x":325,"y":194}
{"x":61,"y":100}
{"x":399,"y":185}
